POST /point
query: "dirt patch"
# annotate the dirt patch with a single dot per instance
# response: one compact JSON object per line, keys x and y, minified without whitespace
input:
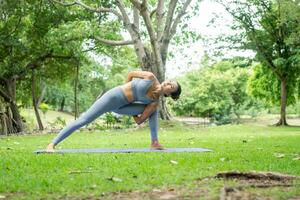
{"x":160,"y":194}
{"x":259,"y":179}
{"x":252,"y":180}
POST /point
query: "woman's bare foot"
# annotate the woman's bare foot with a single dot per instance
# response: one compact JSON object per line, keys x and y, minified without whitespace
{"x":156,"y":146}
{"x":50,"y":147}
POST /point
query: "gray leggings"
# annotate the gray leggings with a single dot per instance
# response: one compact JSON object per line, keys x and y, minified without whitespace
{"x":113,"y":100}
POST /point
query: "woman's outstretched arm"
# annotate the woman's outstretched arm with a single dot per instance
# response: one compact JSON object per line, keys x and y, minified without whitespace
{"x":140,"y":74}
{"x":149,"y":109}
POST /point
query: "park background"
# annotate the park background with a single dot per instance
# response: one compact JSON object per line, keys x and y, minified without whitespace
{"x":238,"y":64}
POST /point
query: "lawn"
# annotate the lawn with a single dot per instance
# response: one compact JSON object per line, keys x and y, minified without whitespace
{"x":244,"y":148}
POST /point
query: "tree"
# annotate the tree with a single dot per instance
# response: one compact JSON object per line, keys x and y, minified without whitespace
{"x":217,"y":92}
{"x":271,"y":29}
{"x":27,"y":44}
{"x":150,"y":37}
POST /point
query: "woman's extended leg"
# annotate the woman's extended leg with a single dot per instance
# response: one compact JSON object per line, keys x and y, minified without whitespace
{"x":111,"y":100}
{"x":136,"y":109}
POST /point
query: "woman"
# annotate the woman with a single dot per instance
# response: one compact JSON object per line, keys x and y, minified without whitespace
{"x":137,"y":97}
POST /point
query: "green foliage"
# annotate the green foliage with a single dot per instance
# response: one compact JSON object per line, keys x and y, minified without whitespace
{"x":127,"y":121}
{"x":58,"y":123}
{"x":217,"y":92}
{"x":271,"y":29}
{"x":44,"y":108}
{"x":265,"y":86}
{"x":110,"y":119}
{"x":31,"y":29}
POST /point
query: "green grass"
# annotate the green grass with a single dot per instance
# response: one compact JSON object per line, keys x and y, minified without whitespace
{"x":235,"y":147}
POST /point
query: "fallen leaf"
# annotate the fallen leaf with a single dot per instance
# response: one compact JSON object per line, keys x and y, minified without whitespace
{"x":114,"y":179}
{"x":156,"y":190}
{"x":93,"y":186}
{"x":2,"y":196}
{"x":279,"y":155}
{"x":171,"y":189}
{"x":173,"y":162}
{"x":297,"y":158}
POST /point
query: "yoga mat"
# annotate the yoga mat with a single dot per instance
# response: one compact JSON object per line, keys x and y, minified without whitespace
{"x":130,"y":150}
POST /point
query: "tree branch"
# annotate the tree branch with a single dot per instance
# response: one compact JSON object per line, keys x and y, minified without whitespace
{"x":169,"y":19}
{"x":136,"y":4}
{"x":35,"y":63}
{"x":91,"y":9}
{"x":136,"y":18}
{"x":5,"y":96}
{"x":112,"y":42}
{"x":133,"y":30}
{"x":125,"y":17}
{"x":159,"y":18}
{"x":153,"y":40}
{"x":64,"y":3}
{"x":178,"y":18}
{"x":145,"y":14}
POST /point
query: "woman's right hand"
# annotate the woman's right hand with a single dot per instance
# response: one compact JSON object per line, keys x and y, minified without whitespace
{"x":137,"y":119}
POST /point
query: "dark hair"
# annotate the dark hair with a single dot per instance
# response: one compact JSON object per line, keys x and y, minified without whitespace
{"x":175,"y":95}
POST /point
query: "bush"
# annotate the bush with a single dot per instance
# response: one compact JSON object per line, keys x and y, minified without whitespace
{"x":127,"y":121}
{"x":217,"y":92}
{"x":96,"y":125}
{"x":58,"y":123}
{"x":110,"y":119}
{"x":44,"y":108}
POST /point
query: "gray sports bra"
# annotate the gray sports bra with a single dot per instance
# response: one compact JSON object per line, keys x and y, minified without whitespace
{"x":139,"y":89}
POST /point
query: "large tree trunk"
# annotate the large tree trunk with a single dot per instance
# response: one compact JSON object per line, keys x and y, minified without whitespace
{"x":9,"y":121}
{"x":6,"y":121}
{"x":149,"y":65}
{"x":164,"y":112}
{"x":16,"y":117}
{"x":282,"y":121}
{"x":62,"y":104}
{"x":35,"y":102}
{"x":3,"y":120}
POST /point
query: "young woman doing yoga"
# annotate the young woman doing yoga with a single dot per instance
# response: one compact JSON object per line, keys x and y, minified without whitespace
{"x":138,"y":97}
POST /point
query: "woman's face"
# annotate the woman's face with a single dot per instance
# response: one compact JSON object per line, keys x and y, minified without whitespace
{"x":169,"y":86}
